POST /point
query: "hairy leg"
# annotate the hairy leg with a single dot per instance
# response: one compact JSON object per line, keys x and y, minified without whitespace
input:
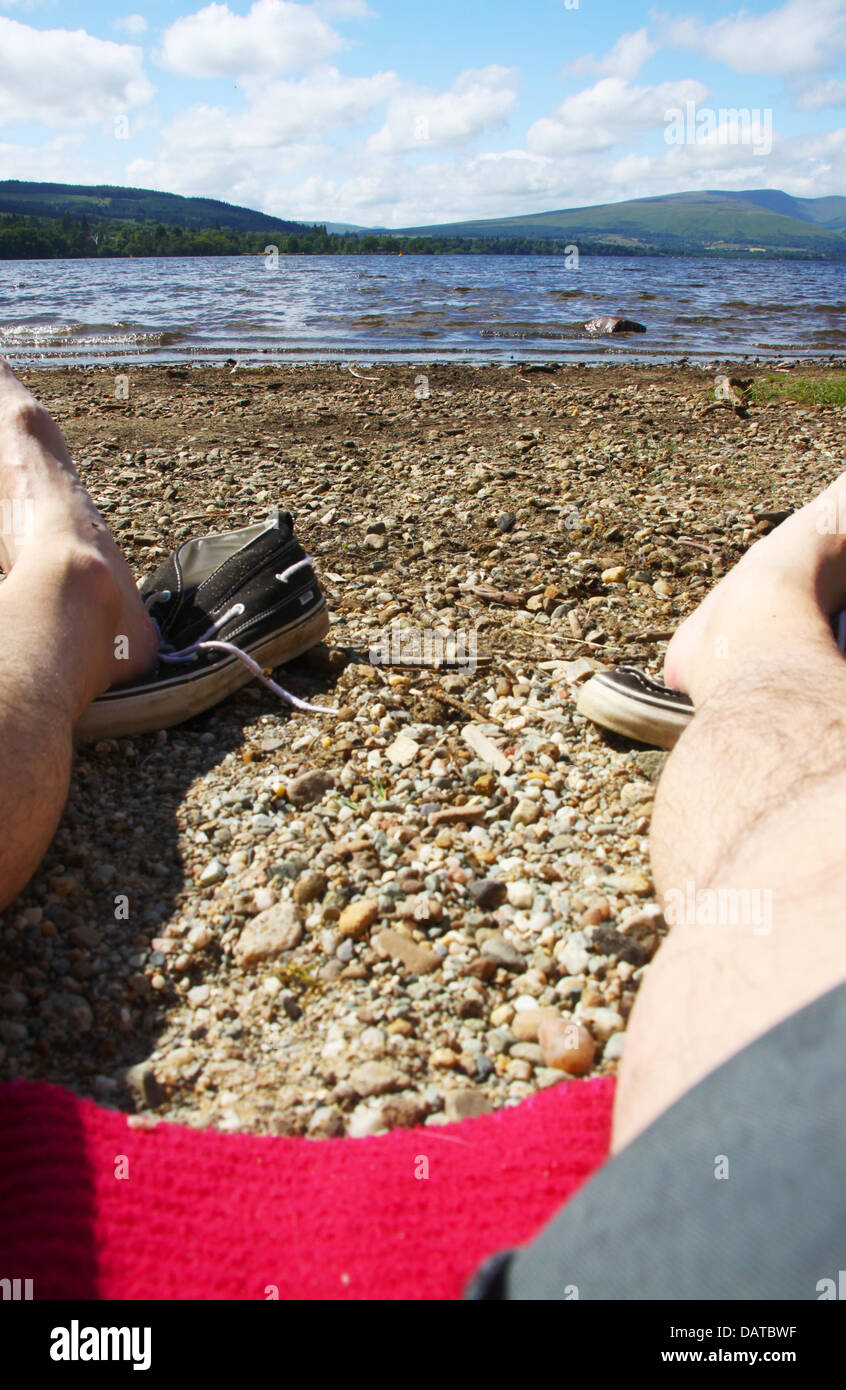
{"x":67,"y":596}
{"x":747,"y":845}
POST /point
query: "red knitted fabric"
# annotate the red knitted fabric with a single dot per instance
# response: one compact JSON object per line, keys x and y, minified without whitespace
{"x":410,"y":1214}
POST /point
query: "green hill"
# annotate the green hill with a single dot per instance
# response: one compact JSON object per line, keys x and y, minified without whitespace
{"x":49,"y":220}
{"x":106,"y":204}
{"x":762,"y":221}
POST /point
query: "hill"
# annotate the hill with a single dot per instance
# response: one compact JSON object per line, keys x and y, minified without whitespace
{"x":106,"y":204}
{"x":717,"y":222}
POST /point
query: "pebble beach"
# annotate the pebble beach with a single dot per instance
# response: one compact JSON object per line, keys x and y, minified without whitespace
{"x":435,"y":898}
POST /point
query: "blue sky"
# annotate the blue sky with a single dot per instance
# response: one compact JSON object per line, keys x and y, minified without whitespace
{"x":395,"y":113}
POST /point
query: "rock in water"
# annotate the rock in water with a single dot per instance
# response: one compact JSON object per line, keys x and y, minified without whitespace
{"x":610,"y":324}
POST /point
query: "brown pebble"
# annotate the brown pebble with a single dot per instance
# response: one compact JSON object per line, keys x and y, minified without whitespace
{"x":357,"y":917}
{"x":598,"y":912}
{"x":483,"y":969}
{"x":419,"y":960}
{"x":566,"y":1045}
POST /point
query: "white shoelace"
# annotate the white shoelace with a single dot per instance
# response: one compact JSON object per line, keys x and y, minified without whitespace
{"x":208,"y":642}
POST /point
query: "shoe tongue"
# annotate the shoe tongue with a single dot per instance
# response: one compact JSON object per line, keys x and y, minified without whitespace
{"x":165,"y":577}
{"x":279,"y":518}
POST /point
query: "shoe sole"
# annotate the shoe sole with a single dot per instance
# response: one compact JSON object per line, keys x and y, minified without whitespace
{"x":632,"y":718}
{"x":119,"y":714}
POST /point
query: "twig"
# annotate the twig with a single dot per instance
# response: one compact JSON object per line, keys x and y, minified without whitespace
{"x":358,"y":375}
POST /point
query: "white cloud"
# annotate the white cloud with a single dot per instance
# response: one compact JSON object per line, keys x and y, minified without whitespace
{"x":345,"y":9}
{"x":603,"y":115}
{"x":49,"y":161}
{"x":133,"y":24}
{"x":799,"y":36}
{"x":238,"y":154}
{"x":57,"y":76}
{"x":274,"y":37}
{"x":821,"y":95}
{"x":625,"y":59}
{"x":479,"y":100}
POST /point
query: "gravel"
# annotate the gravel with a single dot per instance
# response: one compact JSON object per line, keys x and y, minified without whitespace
{"x":390,"y":915}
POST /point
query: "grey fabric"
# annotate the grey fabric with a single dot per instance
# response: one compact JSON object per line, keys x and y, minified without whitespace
{"x":736,"y":1192}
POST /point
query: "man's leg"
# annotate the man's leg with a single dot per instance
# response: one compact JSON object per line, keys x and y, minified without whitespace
{"x":68,"y":594}
{"x":752,"y":809}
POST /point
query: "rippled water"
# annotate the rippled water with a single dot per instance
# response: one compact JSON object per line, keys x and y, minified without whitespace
{"x":414,"y":308}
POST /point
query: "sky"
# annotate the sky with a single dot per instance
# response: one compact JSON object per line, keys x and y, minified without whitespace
{"x":403,"y":113}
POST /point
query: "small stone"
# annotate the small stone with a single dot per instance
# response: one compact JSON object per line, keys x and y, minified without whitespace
{"x":566,"y":1045}
{"x":485,"y":750}
{"x":636,"y":793}
{"x":635,"y":882}
{"x":357,"y":917}
{"x":528,"y":1052}
{"x":198,"y":996}
{"x":643,"y":929}
{"x":488,"y":893}
{"x":498,"y":949}
{"x":613,"y":943}
{"x":271,"y":985}
{"x":326,"y":1123}
{"x":214,"y":872}
{"x":443,"y":1057}
{"x":506,"y":521}
{"x":521,"y":894}
{"x":144,"y":1086}
{"x":525,"y":812}
{"x":418,"y":960}
{"x":662,"y":588}
{"x":402,"y":751}
{"x":613,"y":1049}
{"x":421,"y":908}
{"x":375,"y":1078}
{"x":483,"y":968}
{"x":574,"y":957}
{"x":602,"y":1022}
{"x":651,"y":763}
{"x":365,"y":1120}
{"x":404,"y":1111}
{"x":527,"y":1022}
{"x":309,"y":787}
{"x":269,"y":935}
{"x":598,"y":912}
{"x":310,"y":887}
{"x":466,"y":1104}
{"x":502,"y":1014}
{"x":472,"y":813}
{"x":615,"y":575}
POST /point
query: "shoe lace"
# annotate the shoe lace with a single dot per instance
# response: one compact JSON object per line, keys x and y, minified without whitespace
{"x":210,"y":642}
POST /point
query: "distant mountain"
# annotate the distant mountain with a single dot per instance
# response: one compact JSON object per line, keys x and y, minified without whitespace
{"x":714,"y":222}
{"x":142,"y":205}
{"x":76,"y":220}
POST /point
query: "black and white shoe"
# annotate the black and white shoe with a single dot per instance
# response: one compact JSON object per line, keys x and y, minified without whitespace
{"x":229,"y":608}
{"x":638,"y":706}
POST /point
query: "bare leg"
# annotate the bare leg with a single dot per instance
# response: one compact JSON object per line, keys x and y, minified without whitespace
{"x":751,"y":808}
{"x":67,"y":596}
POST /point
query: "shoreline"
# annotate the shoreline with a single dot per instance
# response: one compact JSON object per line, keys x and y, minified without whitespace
{"x":497,"y":504}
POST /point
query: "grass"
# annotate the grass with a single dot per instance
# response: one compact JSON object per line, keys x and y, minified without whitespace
{"x":829,"y":389}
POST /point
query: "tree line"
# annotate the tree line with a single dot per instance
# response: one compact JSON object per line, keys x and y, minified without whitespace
{"x":68,"y":237}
